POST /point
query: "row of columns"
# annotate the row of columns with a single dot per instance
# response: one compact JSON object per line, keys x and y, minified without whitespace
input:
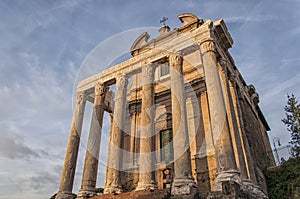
{"x":234,"y":161}
{"x":222,"y":138}
{"x":183,"y":175}
{"x":183,"y":180}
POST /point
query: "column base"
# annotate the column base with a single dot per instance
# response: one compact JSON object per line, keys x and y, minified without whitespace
{"x":112,"y":190}
{"x":86,"y":193}
{"x":227,"y":176}
{"x":65,"y":195}
{"x":146,"y":186}
{"x":184,"y":189}
{"x":254,"y":191}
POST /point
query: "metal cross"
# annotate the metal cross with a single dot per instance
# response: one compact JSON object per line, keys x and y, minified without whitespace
{"x":163,"y":20}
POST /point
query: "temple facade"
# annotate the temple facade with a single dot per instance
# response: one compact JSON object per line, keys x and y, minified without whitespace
{"x":182,"y":119}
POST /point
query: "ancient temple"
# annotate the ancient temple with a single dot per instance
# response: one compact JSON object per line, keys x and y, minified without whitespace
{"x":182,"y":120}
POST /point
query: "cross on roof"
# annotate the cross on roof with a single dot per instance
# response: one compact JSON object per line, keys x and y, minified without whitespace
{"x":163,"y":20}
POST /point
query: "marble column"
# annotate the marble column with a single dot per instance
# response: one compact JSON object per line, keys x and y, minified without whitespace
{"x":68,"y":173}
{"x":240,"y":123}
{"x":146,"y":181}
{"x":226,"y":165}
{"x":112,"y":184}
{"x":235,"y":135}
{"x":184,"y":183}
{"x":90,"y":170}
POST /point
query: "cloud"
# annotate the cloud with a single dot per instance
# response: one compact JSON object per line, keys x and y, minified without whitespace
{"x":43,"y":45}
{"x":282,"y":86}
{"x":15,"y":148}
{"x":251,"y":19}
{"x":42,"y":181}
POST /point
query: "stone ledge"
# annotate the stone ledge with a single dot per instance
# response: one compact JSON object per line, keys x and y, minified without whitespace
{"x":156,"y":194}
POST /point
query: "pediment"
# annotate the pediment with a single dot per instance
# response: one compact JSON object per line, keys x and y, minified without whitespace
{"x":139,"y":42}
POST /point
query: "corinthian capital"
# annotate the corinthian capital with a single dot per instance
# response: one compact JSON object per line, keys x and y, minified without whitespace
{"x":232,"y":78}
{"x":122,"y":81}
{"x":80,"y":98}
{"x":207,"y":46}
{"x":175,"y":59}
{"x":148,"y":69}
{"x":100,"y":89}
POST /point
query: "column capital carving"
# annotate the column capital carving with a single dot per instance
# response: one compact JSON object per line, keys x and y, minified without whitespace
{"x":223,"y":64}
{"x":232,"y":78}
{"x":240,"y":93}
{"x":208,"y":46}
{"x":100,"y":89}
{"x":175,"y":59}
{"x":81,"y":98}
{"x":148,"y":69}
{"x":122,"y":81}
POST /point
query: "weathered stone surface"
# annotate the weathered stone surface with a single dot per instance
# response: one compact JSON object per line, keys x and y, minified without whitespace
{"x":68,"y":173}
{"x":156,"y":194}
{"x":112,"y":182}
{"x":183,"y":181}
{"x":146,"y":181}
{"x":186,"y":124}
{"x":93,"y":149}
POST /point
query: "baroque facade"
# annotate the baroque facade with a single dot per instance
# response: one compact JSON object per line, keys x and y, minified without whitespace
{"x":182,"y":119}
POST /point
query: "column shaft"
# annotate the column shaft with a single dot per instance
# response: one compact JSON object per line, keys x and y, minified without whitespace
{"x":112,"y":184}
{"x":133,"y":137}
{"x":183,"y":181}
{"x":210,"y":151}
{"x":93,"y":148}
{"x":147,"y":127}
{"x":68,"y":173}
{"x":236,"y":139}
{"x":238,"y":111}
{"x":226,"y":164}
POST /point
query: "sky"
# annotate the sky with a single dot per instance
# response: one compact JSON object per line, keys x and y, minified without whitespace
{"x":43,"y":45}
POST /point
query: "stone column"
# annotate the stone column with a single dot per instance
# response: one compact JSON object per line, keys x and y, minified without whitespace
{"x":244,"y":141}
{"x":133,"y":137}
{"x":90,"y":170}
{"x":236,"y":139}
{"x":209,"y":143}
{"x":112,"y":184}
{"x":226,"y":165}
{"x":184,"y":183}
{"x":68,"y":173}
{"x":146,"y":181}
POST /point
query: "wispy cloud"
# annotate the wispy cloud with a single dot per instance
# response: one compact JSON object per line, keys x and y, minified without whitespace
{"x":14,"y":147}
{"x":251,"y":19}
{"x":44,"y":43}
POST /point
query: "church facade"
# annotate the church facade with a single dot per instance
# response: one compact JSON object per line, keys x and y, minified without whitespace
{"x":182,"y":119}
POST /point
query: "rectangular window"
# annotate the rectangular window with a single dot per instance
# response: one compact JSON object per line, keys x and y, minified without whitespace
{"x":166,"y":146}
{"x":164,"y":69}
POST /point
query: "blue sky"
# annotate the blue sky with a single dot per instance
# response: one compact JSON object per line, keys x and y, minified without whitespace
{"x":43,"y":44}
